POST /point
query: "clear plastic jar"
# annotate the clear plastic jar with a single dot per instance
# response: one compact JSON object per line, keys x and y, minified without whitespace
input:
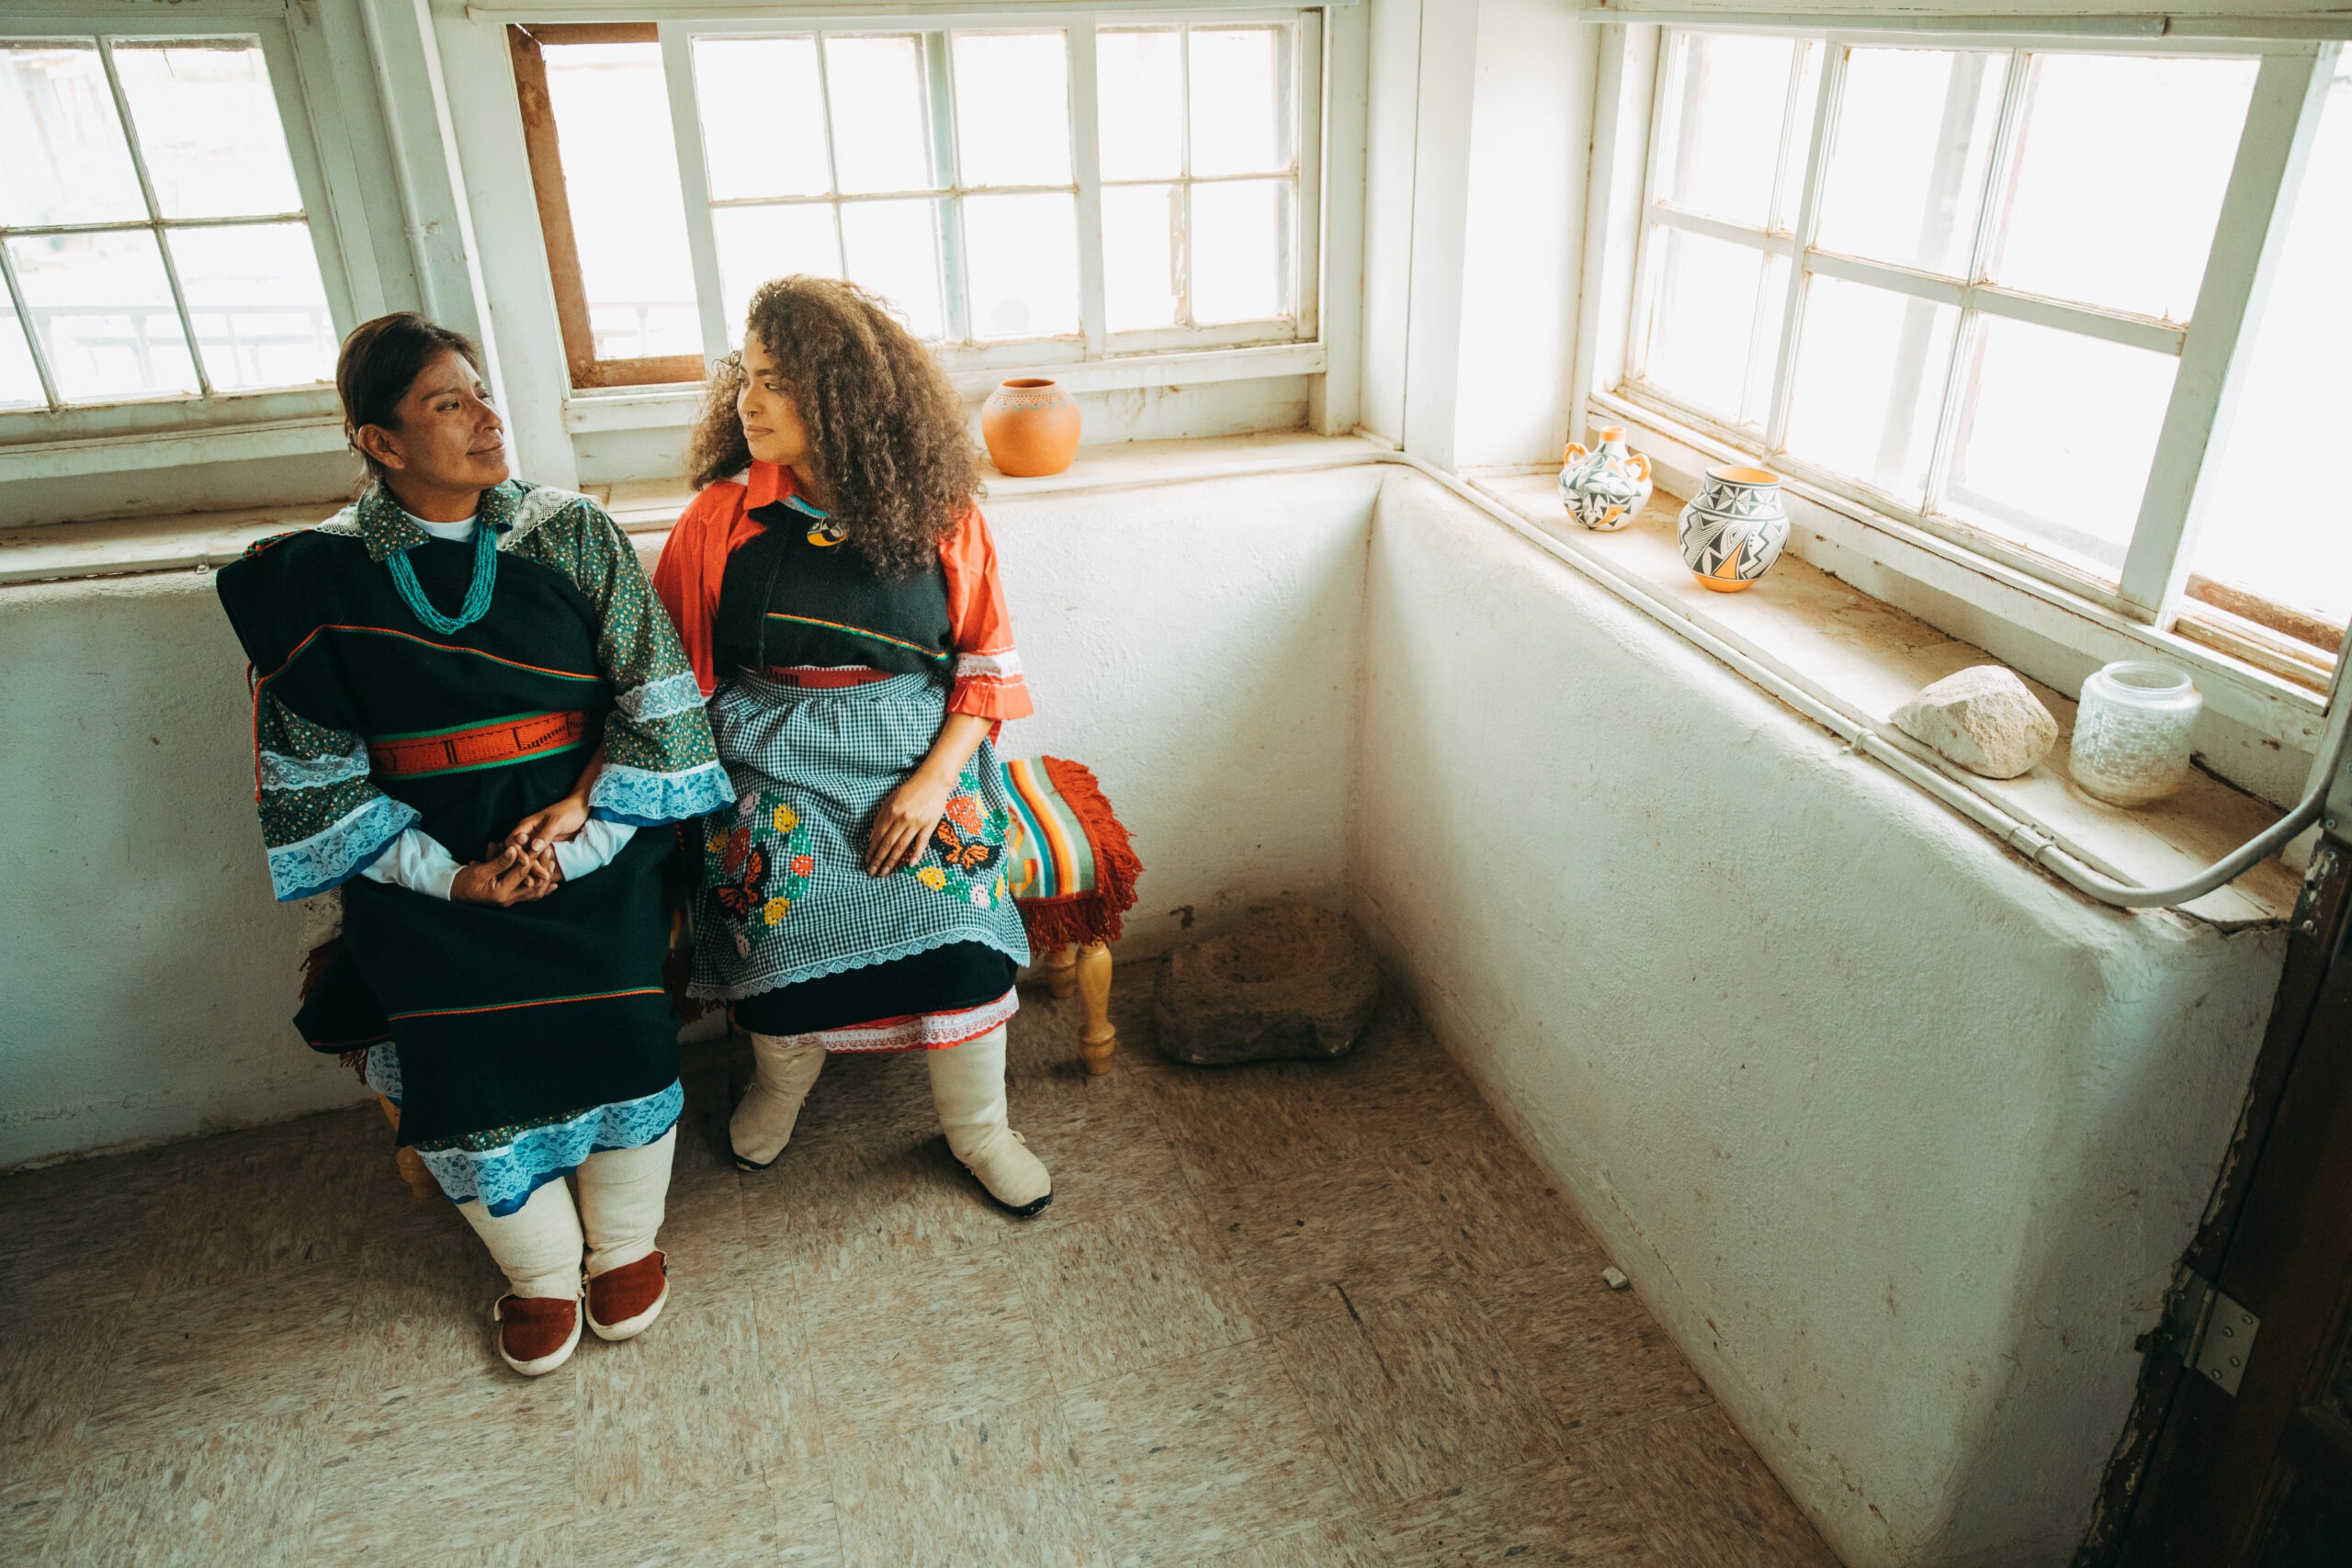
{"x":2133,"y":731}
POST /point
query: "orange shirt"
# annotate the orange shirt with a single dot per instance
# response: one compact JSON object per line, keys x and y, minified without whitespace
{"x":986,"y":675}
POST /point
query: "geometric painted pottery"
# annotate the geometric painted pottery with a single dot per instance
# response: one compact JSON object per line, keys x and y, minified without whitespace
{"x":1603,"y":489}
{"x":2133,"y":731}
{"x":1735,"y":529}
{"x":1030,"y":426}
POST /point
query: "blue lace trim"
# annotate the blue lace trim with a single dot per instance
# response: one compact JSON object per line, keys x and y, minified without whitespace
{"x":659,"y":699}
{"x":644,"y":799}
{"x":279,"y":770}
{"x":334,"y":855}
{"x":505,"y":1178}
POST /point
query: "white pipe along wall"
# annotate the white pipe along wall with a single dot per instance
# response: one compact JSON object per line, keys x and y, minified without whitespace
{"x":1899,"y":1138}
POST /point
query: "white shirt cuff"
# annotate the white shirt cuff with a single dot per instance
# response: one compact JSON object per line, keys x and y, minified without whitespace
{"x":591,"y":848}
{"x":417,"y":862}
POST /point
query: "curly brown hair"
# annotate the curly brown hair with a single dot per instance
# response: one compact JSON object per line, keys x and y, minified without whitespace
{"x":885,"y":423}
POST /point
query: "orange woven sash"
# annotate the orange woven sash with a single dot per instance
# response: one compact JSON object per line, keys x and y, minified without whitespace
{"x":493,"y":745}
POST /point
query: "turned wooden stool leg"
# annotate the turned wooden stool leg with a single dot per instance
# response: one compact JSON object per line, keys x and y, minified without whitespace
{"x":420,"y":1184}
{"x":1097,"y":1039}
{"x":1061,"y":972}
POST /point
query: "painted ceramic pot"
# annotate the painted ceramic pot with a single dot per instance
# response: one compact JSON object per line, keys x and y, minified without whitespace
{"x":1605,"y":488}
{"x":1031,"y":427}
{"x":1735,"y":529}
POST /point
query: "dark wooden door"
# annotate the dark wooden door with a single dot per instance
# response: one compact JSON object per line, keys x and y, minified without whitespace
{"x":2263,"y":1478}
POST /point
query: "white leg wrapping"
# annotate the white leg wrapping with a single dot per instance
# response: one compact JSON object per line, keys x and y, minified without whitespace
{"x":784,"y":1071}
{"x":537,"y":1246}
{"x":967,"y":1086}
{"x":622,"y":1196}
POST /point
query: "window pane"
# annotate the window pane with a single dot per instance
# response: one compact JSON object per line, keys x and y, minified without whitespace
{"x":1240,"y":270}
{"x":19,"y":381}
{"x":1240,"y":116}
{"x":103,"y":308}
{"x":1139,"y":85}
{"x":881,"y":113}
{"x":1013,"y":109}
{"x":762,"y":116}
{"x":1021,"y":259}
{"x":1802,"y":105}
{"x":207,"y":126}
{"x":1139,"y":255}
{"x":2269,"y":529}
{"x":620,"y":171}
{"x":68,"y":161}
{"x":1870,"y":372}
{"x":2120,"y":177}
{"x":1705,"y":320}
{"x":2055,"y":436}
{"x":756,"y":243}
{"x":1722,"y":127}
{"x":894,"y":250}
{"x":259,"y":309}
{"x":1914,"y":134}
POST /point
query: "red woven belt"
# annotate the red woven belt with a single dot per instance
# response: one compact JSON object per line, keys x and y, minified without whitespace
{"x":492,"y":745}
{"x":816,"y":678}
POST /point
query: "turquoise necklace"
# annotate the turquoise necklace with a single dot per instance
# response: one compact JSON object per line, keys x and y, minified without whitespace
{"x":478,"y":592}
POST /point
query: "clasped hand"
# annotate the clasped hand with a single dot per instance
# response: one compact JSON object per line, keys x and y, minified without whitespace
{"x":523,"y":867}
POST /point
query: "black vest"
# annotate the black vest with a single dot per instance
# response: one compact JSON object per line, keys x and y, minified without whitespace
{"x":785,"y":600}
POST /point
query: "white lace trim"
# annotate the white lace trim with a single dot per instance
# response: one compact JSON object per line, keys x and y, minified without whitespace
{"x":279,"y":770}
{"x":659,"y":699}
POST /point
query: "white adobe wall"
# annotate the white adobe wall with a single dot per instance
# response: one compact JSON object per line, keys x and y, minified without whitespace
{"x":1899,"y":1139}
{"x":1196,"y":645}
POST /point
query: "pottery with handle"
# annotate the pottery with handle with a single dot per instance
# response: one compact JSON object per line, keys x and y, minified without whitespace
{"x":1735,"y":529}
{"x":1604,"y":489}
{"x":1030,"y":426}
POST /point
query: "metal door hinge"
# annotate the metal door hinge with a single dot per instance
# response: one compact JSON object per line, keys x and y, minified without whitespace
{"x":2212,"y":1334}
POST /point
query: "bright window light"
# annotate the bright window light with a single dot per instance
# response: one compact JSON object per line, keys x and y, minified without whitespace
{"x":2274,"y":529}
{"x":1968,"y":294}
{"x":163,"y":213}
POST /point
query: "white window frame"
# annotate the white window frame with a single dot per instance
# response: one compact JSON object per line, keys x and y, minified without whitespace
{"x":1094,"y":359}
{"x":2148,"y":601}
{"x":69,"y":438}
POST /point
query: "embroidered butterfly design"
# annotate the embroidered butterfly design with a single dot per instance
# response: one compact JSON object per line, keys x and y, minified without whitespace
{"x":741,"y":896}
{"x":971,"y":856}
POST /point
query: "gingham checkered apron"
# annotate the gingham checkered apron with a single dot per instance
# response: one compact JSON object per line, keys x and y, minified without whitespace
{"x":785,"y":894}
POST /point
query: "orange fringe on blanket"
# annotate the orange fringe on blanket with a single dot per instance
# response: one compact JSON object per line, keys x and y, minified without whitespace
{"x":1085,"y":919}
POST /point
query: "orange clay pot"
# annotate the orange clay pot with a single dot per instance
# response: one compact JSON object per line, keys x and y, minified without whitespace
{"x":1031,"y":427}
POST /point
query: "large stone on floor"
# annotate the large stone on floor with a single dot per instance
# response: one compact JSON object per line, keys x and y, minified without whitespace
{"x":1290,"y":980}
{"x":1985,"y":719}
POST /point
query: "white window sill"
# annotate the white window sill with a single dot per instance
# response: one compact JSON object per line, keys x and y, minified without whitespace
{"x":1865,"y":657}
{"x":1853,"y":652}
{"x":1889,"y":557}
{"x":661,"y":408}
{"x":201,"y":541}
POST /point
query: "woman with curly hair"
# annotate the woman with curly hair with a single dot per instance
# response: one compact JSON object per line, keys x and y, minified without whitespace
{"x":835,"y":588}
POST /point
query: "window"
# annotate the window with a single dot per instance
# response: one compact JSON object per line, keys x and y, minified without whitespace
{"x":2008,"y":294}
{"x":1021,"y":193}
{"x":153,"y":239}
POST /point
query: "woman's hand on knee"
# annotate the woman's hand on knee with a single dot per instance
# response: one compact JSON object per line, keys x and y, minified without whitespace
{"x":903,"y":823}
{"x":509,"y":875}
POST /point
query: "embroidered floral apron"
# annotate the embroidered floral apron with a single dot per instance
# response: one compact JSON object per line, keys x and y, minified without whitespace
{"x":786,"y":896}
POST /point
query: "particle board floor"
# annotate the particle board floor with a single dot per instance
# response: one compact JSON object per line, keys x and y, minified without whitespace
{"x":1277,"y":1317}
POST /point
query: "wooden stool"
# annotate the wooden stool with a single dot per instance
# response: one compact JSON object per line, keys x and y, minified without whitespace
{"x":1087,"y":971}
{"x":1072,"y":871}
